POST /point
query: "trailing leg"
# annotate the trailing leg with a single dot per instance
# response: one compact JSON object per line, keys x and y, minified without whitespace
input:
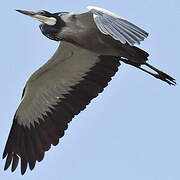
{"x":159,"y":74}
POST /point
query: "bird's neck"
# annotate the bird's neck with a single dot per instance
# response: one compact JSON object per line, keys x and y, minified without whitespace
{"x":52,"y":31}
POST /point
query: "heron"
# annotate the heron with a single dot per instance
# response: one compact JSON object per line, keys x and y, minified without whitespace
{"x":92,"y":46}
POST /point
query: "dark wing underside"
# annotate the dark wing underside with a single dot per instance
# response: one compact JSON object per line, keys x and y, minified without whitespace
{"x":30,"y":143}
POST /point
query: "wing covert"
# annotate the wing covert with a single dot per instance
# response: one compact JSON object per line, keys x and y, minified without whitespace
{"x":117,"y":27}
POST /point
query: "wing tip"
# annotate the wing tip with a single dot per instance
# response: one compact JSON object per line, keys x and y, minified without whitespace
{"x":4,"y":154}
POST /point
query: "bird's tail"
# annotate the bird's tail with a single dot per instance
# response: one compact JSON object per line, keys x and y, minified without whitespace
{"x":159,"y":74}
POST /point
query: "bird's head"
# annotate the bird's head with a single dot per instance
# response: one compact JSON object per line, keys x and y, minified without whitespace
{"x":44,"y":16}
{"x":51,"y":22}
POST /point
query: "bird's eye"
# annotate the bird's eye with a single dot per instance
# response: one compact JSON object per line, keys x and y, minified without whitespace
{"x":42,"y":13}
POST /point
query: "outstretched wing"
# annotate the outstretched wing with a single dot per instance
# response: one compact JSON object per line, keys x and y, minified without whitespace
{"x":117,"y":27}
{"x":60,"y":89}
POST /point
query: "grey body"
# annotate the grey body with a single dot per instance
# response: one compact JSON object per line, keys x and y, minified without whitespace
{"x":82,"y":31}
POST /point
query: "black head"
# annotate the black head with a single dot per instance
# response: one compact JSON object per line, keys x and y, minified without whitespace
{"x":51,"y":22}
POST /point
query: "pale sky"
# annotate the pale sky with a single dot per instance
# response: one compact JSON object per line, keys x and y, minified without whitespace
{"x":132,"y":130}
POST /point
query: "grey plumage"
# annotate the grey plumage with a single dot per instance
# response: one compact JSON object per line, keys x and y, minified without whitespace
{"x":92,"y":46}
{"x":117,"y":27}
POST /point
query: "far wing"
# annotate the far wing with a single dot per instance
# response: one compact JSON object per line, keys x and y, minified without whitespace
{"x":117,"y":27}
{"x":53,"y":95}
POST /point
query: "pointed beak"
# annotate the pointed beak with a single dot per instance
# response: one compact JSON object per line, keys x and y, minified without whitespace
{"x":32,"y":14}
{"x":38,"y":16}
{"x":29,"y":13}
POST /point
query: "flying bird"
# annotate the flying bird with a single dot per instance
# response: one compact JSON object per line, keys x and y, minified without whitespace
{"x":92,"y":46}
